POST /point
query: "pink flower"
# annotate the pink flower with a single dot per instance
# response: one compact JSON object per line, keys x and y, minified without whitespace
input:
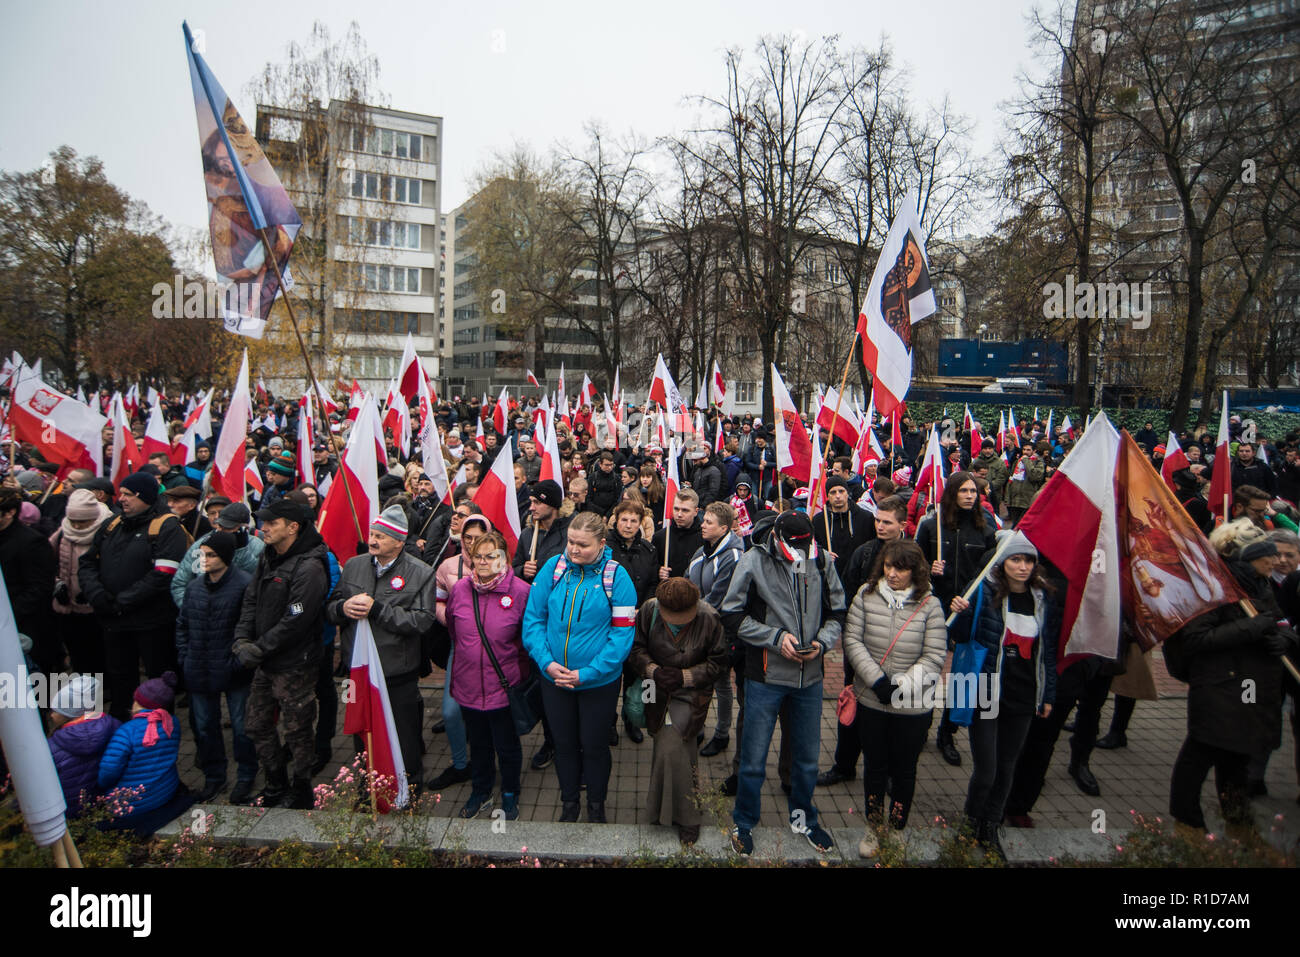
{"x":1209,"y":837}
{"x":1120,"y":848}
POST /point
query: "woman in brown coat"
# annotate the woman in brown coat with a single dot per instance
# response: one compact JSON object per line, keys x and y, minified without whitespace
{"x":680,"y":649}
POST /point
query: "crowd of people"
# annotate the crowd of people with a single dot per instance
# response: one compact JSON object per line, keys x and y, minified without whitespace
{"x":618,"y":612}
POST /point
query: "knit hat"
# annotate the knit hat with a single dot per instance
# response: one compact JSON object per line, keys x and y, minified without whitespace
{"x":903,"y":476}
{"x":275,"y":443}
{"x":284,"y":464}
{"x":30,"y":480}
{"x":1019,"y":545}
{"x":391,"y":522}
{"x":28,"y":513}
{"x":82,"y":505}
{"x":157,"y":692}
{"x":1261,"y":549}
{"x":836,"y":481}
{"x":1158,"y":450}
{"x":548,"y":492}
{"x":142,"y":484}
{"x":234,"y":515}
{"x":223,"y":543}
{"x":793,"y":528}
{"x":78,"y":696}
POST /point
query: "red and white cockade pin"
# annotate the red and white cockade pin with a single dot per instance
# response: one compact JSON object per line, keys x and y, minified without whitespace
{"x":506,"y":601}
{"x":397,"y":583}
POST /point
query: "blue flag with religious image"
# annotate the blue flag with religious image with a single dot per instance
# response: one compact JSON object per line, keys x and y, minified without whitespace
{"x":249,"y":212}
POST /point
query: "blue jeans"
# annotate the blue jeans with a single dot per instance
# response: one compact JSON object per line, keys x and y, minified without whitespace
{"x":205,"y":707}
{"x":454,"y":720}
{"x":804,"y":725}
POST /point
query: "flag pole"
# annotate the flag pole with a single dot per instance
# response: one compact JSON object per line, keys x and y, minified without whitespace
{"x":978,"y":579}
{"x":835,"y":418}
{"x":311,"y":375}
{"x":370,"y":771}
{"x":532,"y":549}
{"x":1249,"y":608}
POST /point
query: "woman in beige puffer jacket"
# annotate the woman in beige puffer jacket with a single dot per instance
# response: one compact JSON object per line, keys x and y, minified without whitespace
{"x":894,"y":685}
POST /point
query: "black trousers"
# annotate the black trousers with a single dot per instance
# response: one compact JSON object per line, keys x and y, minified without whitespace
{"x":1072,"y":689}
{"x":995,"y":745}
{"x":83,"y":637}
{"x":123,"y":651}
{"x":580,"y":722}
{"x":327,"y":704}
{"x":891,"y":746}
{"x":1190,"y":769}
{"x":1122,"y":715}
{"x":408,"y":717}
{"x":492,"y":738}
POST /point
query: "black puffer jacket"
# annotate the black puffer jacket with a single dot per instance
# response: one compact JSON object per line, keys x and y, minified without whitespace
{"x":963,"y":550}
{"x":29,"y":568}
{"x":639,"y":559}
{"x":284,"y":605}
{"x":205,"y":630}
{"x":603,"y":490}
{"x":126,"y":574}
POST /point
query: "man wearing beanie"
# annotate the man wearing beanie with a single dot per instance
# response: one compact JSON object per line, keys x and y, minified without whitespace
{"x":205,"y":633}
{"x":280,"y":476}
{"x":552,"y":530}
{"x":279,"y":638}
{"x":236,"y":519}
{"x":126,"y":576}
{"x":786,"y":603}
{"x":394,"y":591}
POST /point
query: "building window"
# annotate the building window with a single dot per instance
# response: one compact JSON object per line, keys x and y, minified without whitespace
{"x":746,"y":392}
{"x":397,"y":143}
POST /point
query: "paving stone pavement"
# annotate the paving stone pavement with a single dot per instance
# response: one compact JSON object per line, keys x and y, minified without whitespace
{"x":1135,"y":778}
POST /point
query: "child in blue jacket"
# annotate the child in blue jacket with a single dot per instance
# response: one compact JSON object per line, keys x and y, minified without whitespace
{"x":140,"y":761}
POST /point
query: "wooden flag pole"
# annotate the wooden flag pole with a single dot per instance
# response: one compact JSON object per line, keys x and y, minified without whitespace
{"x":370,"y":771}
{"x":532,"y":549}
{"x":311,"y":376}
{"x":70,"y":849}
{"x":1249,"y":608}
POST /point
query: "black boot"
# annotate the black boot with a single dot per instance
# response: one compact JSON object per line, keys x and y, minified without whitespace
{"x":1111,"y":740}
{"x":987,"y":835}
{"x":596,"y":812}
{"x":277,"y":787}
{"x":299,"y":797}
{"x":1083,"y":777}
{"x":947,"y":748}
{"x":569,"y":812}
{"x":633,"y":732}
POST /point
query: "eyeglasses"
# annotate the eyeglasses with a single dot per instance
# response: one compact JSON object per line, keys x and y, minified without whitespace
{"x":483,"y":558}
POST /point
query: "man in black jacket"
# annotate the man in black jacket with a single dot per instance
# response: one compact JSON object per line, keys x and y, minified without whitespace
{"x":126,"y":576}
{"x":279,"y":635}
{"x":29,"y":568}
{"x":1248,"y":470}
{"x":849,"y":527}
{"x":604,"y":487}
{"x":684,"y":537}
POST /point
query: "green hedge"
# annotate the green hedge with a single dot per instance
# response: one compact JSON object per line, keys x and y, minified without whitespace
{"x":1272,"y":425}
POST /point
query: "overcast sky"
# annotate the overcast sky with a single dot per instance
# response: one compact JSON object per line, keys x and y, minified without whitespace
{"x":110,"y":79}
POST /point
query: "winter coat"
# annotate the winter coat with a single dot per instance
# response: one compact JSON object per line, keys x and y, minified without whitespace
{"x":1256,"y":473}
{"x":550,"y":543}
{"x":245,"y":560}
{"x":474,"y":682}
{"x":403,"y":609}
{"x":284,"y":605}
{"x":28,"y":564}
{"x":707,"y":482}
{"x":639,"y":558}
{"x":766,"y":598}
{"x":128,"y":764}
{"x":532,"y":468}
{"x":573,"y":621}
{"x":963,"y":549}
{"x":603,"y":490}
{"x":1020,"y":493}
{"x":126,"y":574}
{"x":205,"y":630}
{"x":77,"y":748}
{"x":449,"y":571}
{"x":67,"y":554}
{"x":731,"y":467}
{"x":849,"y":529}
{"x":699,"y":649}
{"x":997,"y":466}
{"x":990,"y":628}
{"x":713,"y":565}
{"x":917,"y":656}
{"x":1223,"y":649}
{"x":683,"y":543}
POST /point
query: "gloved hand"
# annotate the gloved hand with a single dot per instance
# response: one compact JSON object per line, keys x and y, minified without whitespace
{"x":1260,"y":625}
{"x":248,"y":653}
{"x":667,"y":679}
{"x":884,"y":689}
{"x":1276,"y":643}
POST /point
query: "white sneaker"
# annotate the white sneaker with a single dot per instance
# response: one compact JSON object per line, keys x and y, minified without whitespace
{"x":869,"y":846}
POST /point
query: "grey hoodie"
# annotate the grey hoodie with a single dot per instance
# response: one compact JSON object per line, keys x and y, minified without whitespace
{"x":764,"y":600}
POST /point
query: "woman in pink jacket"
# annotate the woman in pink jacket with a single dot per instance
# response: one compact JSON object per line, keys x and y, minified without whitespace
{"x":485,"y":614}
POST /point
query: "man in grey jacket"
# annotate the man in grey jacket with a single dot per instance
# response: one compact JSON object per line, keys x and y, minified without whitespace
{"x":786,"y":603}
{"x":394,"y":591}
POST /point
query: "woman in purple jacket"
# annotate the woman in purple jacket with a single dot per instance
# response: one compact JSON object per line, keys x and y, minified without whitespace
{"x":475,"y":685}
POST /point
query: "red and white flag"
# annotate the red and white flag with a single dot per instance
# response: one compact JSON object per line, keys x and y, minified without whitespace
{"x":719,"y":395}
{"x":126,"y":454}
{"x":663,"y":389}
{"x":817,"y":485}
{"x":848,"y":428}
{"x":1175,"y":460}
{"x":228,"y":460}
{"x":587,"y":394}
{"x":411,"y":374}
{"x":793,"y":448}
{"x":479,"y":439}
{"x":497,"y":498}
{"x":1002,"y":431}
{"x":198,"y":424}
{"x":65,"y":431}
{"x":354,"y":400}
{"x":671,"y":484}
{"x":369,"y":714}
{"x":155,"y":433}
{"x":262,"y":394}
{"x":1069,"y":429}
{"x":532,"y":379}
{"x":500,"y":411}
{"x":1221,"y":478}
{"x":550,"y":452}
{"x":254,"y":478}
{"x":355,"y":487}
{"x":1073,"y":523}
{"x":435,"y":466}
{"x":929,"y":479}
{"x":899,"y":296}
{"x":306,"y":437}
{"x":562,"y":392}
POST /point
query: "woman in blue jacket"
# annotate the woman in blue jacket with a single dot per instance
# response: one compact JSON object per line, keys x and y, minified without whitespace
{"x":578,"y":627}
{"x":1019,"y":625}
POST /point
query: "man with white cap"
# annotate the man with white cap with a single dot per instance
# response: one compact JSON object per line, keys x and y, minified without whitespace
{"x":394,"y":591}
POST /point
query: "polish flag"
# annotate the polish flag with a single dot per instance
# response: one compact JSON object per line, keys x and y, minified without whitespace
{"x":228,"y":460}
{"x":352,"y":502}
{"x":817,"y":487}
{"x":1012,"y":428}
{"x":1069,"y":429}
{"x":370,"y":715}
{"x":155,"y":433}
{"x":499,"y":411}
{"x":1048,"y":427}
{"x":663,"y":389}
{"x":1221,"y":478}
{"x":719,"y":438}
{"x":262,"y":394}
{"x":611,"y":418}
{"x":131,"y":401}
{"x":793,"y":448}
{"x":671,"y":484}
{"x":1002,"y":431}
{"x":306,"y":436}
{"x":847,"y":426}
{"x":497,"y":498}
{"x":587,"y":394}
{"x":479,"y":440}
{"x":930,"y":478}
{"x":1073,"y":523}
{"x":661,"y":431}
{"x":868,"y":448}
{"x":719,"y":387}
{"x":254,"y":478}
{"x":198,"y":424}
{"x":532,"y":379}
{"x":354,"y":400}
{"x":408,"y":380}
{"x":435,"y":466}
{"x":1175,"y":459}
{"x":560,"y":391}
{"x":898,"y":297}
{"x":75,"y":441}
{"x":126,"y":454}
{"x":456,"y":482}
{"x":328,"y":405}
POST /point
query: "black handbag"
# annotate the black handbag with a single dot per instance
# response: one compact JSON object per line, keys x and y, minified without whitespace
{"x":525,"y":697}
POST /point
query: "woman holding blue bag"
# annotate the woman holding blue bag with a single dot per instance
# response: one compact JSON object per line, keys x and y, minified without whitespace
{"x":578,"y":628}
{"x":1016,"y":625}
